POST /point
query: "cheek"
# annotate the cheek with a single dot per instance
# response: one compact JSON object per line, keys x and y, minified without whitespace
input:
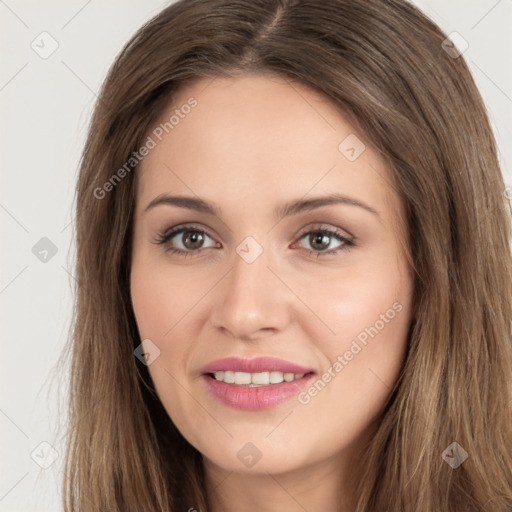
{"x":167,"y":308}
{"x":163,"y":296}
{"x":163,"y":305}
{"x":360,"y":326}
{"x":368,"y":299}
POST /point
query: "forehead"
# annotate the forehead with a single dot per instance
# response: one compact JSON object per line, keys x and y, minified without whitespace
{"x":260,"y":139}
{"x":236,"y":114}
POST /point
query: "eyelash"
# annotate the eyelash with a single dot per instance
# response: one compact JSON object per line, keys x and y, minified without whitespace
{"x":166,"y":235}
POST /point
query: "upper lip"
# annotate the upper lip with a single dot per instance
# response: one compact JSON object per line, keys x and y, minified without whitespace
{"x":256,"y":365}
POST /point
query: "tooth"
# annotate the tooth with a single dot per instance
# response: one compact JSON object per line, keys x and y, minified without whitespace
{"x":260,"y":378}
{"x":276,"y":377}
{"x":229,"y":377}
{"x":242,"y":378}
{"x":256,"y":379}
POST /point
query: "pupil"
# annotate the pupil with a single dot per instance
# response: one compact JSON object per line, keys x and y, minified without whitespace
{"x":195,"y":238}
{"x":320,"y":239}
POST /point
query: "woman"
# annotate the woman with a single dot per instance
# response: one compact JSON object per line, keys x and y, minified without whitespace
{"x":294,"y":268}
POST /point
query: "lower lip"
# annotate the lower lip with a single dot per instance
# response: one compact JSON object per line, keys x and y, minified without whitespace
{"x":257,"y":398}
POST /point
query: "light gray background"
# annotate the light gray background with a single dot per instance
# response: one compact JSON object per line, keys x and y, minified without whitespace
{"x":45,"y":105}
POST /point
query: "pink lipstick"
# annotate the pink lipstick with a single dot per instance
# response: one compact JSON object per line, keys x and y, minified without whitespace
{"x":254,"y":384}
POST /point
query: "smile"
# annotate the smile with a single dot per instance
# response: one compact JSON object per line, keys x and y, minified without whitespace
{"x":255,"y":384}
{"x":255,"y":379}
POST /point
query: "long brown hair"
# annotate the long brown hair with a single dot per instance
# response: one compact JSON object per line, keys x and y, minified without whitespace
{"x":384,"y":64}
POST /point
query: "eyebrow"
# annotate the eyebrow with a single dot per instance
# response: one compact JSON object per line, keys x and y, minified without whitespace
{"x":288,"y":209}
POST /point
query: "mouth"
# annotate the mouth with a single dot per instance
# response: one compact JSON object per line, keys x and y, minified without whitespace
{"x":255,"y":380}
{"x":255,"y":384}
{"x":259,"y":366}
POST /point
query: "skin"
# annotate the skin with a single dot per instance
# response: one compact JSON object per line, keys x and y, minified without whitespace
{"x":250,"y":145}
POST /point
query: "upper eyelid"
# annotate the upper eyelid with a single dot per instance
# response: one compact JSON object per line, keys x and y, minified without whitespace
{"x":174,"y":230}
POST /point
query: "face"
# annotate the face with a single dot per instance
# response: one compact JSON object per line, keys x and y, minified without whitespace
{"x":266,"y":232}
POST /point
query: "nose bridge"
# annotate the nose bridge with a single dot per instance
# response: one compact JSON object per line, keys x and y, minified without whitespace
{"x":248,"y":282}
{"x":250,"y":299}
{"x":250,"y":269}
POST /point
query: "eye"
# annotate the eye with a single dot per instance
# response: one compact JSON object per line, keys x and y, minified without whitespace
{"x":185,"y":240}
{"x":190,"y":240}
{"x":320,"y":241}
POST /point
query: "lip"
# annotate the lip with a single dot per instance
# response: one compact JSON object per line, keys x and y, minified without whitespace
{"x":255,"y":398}
{"x":256,"y":365}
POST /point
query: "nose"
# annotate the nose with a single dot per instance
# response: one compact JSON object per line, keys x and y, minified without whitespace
{"x":251,"y":302}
